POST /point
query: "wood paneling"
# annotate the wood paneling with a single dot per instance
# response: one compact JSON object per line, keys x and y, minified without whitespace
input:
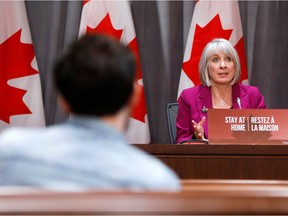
{"x":207,"y":197}
{"x":202,"y":161}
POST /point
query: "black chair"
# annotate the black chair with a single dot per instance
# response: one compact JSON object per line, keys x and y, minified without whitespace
{"x":171,"y":111}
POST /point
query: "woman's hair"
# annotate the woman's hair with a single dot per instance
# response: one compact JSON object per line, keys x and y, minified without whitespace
{"x":215,"y":46}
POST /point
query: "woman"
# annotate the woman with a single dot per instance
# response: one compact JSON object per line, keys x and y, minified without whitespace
{"x":219,"y":69}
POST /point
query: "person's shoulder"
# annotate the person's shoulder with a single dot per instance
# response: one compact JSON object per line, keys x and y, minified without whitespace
{"x":26,"y":136}
{"x":249,"y":89}
{"x":14,"y":134}
{"x":193,"y":90}
{"x":160,"y":175}
{"x":17,"y":136}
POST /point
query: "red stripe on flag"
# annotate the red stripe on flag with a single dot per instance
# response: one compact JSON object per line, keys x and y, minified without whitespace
{"x":15,"y":62}
{"x":139,"y":110}
{"x":241,"y":52}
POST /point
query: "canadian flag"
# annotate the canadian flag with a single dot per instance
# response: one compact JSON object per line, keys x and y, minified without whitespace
{"x":211,"y":19}
{"x":20,"y":90}
{"x":115,"y":18}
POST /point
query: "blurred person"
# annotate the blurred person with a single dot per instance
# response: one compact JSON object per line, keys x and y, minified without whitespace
{"x":219,"y":69}
{"x":96,"y":83}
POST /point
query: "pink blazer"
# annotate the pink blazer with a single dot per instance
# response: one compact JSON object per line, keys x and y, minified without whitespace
{"x":194,"y":102}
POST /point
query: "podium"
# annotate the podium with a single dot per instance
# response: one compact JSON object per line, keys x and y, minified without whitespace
{"x":243,"y":144}
{"x":223,"y":161}
{"x":248,"y":126}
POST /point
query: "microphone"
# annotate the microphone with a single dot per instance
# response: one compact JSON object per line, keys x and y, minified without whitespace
{"x":239,"y":102}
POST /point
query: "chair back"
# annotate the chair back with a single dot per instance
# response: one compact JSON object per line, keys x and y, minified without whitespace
{"x":171,"y":111}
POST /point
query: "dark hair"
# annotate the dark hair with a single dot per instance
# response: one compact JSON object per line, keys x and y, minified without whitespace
{"x":96,"y":75}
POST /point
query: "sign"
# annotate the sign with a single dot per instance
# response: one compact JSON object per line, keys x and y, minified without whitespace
{"x":248,"y":126}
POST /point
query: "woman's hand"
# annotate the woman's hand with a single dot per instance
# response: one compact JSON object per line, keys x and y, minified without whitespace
{"x":199,"y":130}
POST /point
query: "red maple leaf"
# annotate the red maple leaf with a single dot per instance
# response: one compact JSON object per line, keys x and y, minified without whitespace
{"x":15,"y":62}
{"x":203,"y":36}
{"x":106,"y":27}
{"x":85,"y":1}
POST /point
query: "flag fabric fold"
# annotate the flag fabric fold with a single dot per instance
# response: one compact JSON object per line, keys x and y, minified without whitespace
{"x":211,"y":19}
{"x":114,"y":18}
{"x":20,"y":88}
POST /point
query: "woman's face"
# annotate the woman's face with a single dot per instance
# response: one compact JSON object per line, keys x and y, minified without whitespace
{"x":221,"y":69}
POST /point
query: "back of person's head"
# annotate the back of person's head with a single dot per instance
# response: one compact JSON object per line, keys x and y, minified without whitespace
{"x":218,"y":45}
{"x":96,"y":75}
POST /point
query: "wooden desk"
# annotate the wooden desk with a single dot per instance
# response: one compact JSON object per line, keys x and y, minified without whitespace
{"x":203,"y":161}
{"x":205,"y":197}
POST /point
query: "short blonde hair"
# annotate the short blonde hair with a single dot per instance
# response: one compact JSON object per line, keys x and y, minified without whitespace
{"x":215,"y":46}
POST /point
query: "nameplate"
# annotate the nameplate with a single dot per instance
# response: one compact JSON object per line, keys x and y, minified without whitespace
{"x":248,"y":126}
